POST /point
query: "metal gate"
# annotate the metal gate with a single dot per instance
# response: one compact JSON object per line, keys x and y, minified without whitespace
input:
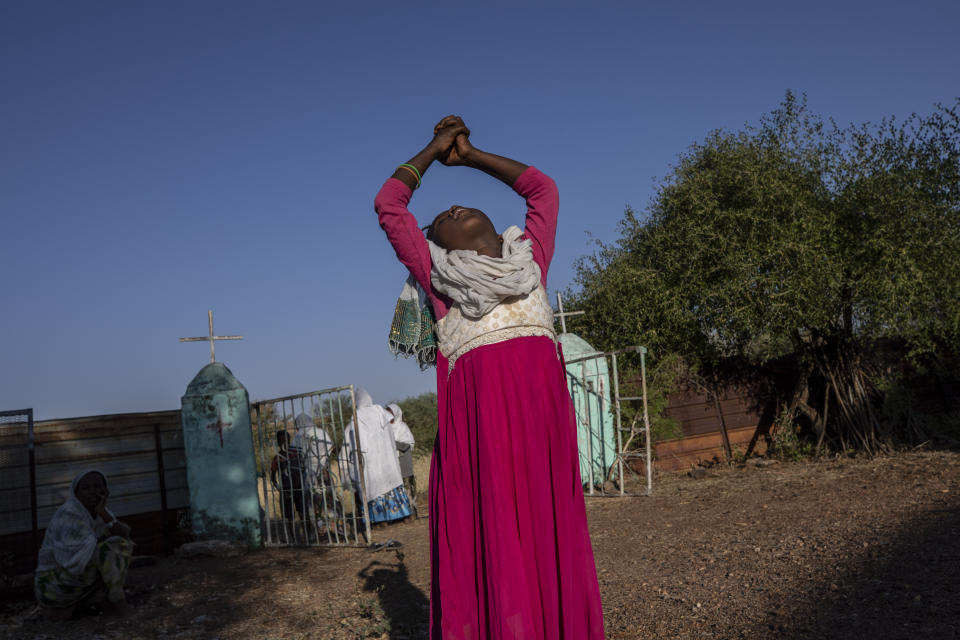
{"x":18,"y":490}
{"x":310,"y":469}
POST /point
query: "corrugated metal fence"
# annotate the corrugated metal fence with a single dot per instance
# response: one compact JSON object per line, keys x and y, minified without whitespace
{"x":700,"y":423}
{"x":141,"y":454}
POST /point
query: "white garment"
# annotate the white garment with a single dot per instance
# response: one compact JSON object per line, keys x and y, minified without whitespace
{"x":315,"y":443}
{"x":401,"y":430}
{"x":381,"y":469}
{"x":72,"y":534}
{"x":478,"y":283}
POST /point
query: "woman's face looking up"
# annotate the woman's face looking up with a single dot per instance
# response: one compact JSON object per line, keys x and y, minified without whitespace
{"x":465,"y":228}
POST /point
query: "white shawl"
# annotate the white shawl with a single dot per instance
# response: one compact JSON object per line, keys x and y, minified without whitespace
{"x":401,"y":430}
{"x":479,"y":283}
{"x":72,"y":533}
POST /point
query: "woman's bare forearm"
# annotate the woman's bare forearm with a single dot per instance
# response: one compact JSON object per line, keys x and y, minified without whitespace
{"x":501,"y":168}
{"x":444,"y":135}
{"x":421,"y":161}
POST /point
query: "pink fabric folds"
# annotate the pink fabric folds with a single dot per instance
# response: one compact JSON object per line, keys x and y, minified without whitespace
{"x":510,"y":550}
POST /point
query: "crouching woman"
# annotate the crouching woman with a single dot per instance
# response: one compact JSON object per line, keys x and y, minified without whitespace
{"x":85,"y":553}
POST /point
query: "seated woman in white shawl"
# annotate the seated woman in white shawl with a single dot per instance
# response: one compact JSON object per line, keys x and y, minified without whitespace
{"x":85,"y":552}
{"x":386,"y":499}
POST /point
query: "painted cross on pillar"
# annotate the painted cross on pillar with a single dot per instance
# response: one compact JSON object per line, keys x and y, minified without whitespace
{"x":219,"y":426}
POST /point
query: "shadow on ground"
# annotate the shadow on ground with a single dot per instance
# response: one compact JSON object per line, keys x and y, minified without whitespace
{"x":906,"y":590}
{"x":405,"y":607}
{"x":190,"y":598}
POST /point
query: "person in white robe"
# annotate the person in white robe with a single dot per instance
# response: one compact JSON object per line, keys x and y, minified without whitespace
{"x":383,"y":482}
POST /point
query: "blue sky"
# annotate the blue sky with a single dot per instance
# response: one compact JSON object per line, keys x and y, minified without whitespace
{"x":159,"y":159}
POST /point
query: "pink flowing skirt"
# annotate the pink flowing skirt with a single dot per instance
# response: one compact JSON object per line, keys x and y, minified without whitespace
{"x":509,"y":546}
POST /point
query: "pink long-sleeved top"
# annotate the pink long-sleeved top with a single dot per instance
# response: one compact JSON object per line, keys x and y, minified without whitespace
{"x":540,"y":226}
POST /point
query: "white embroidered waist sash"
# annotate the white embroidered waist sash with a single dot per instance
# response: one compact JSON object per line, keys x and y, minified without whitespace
{"x":516,"y":317}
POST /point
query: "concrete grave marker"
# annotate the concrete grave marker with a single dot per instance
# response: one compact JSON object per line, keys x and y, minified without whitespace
{"x":221,"y":469}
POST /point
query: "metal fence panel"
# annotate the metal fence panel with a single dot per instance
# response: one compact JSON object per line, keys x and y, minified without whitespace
{"x":18,"y":498}
{"x":310,"y":469}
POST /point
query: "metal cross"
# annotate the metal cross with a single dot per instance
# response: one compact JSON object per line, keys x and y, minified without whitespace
{"x":211,"y":337}
{"x":563,"y":315}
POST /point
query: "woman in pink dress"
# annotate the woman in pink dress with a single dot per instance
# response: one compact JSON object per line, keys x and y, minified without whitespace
{"x":509,"y":546}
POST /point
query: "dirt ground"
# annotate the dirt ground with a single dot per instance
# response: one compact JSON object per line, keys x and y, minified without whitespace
{"x":845,"y":548}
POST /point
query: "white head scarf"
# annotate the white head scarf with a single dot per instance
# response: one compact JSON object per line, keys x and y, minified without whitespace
{"x":479,"y":283}
{"x":72,"y":533}
{"x":401,"y":430}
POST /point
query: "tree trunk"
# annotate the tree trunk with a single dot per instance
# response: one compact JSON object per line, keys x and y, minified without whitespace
{"x":854,"y":421}
{"x":715,"y":392}
{"x":723,"y":430}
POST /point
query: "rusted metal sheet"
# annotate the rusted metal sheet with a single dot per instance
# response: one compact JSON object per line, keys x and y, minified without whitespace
{"x":683,"y":453}
{"x":154,"y":533}
{"x":701,"y":421}
{"x":697,"y":413}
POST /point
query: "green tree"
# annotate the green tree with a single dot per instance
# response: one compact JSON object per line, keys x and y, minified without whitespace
{"x":420,"y":414}
{"x":794,"y":236}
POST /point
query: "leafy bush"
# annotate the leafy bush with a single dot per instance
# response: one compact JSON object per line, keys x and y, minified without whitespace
{"x":420,"y":414}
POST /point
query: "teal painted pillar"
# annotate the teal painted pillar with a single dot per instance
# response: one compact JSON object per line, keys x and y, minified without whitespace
{"x":589,"y":385}
{"x":221,"y":471}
